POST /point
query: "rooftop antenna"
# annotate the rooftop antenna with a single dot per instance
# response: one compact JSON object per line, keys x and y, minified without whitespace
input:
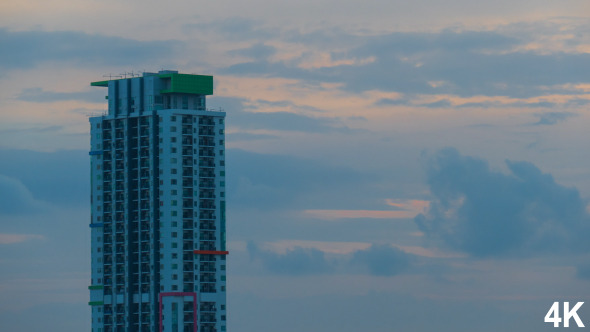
{"x":111,"y":76}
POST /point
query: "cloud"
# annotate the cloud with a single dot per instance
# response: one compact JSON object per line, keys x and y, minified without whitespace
{"x":382,"y":260}
{"x":551,"y":118}
{"x":443,"y":103}
{"x":377,"y":260}
{"x":256,"y":51}
{"x":401,"y":209}
{"x":15,"y":198}
{"x":297,"y":261}
{"x":39,"y":95}
{"x":270,"y":181}
{"x":486,"y":213}
{"x":391,"y":102}
{"x":471,"y":63}
{"x":18,"y":238}
{"x":23,"y":49}
{"x":59,"y":177}
{"x":233,"y":29}
{"x":277,"y":121}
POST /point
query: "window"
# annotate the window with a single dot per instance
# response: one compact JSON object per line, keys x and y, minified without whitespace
{"x":220,"y":131}
{"x":173,"y":118}
{"x":173,"y":160}
{"x":222,"y":267}
{"x":223,"y":288}
{"x":174,"y":256}
{"x":98,"y":125}
{"x":174,"y":287}
{"x":173,"y":139}
{"x":174,"y":224}
{"x":221,"y":152}
{"x":222,"y":194}
{"x":173,"y":150}
{"x":223,"y":183}
{"x":174,"y":192}
{"x":221,"y":121}
{"x":222,"y":317}
{"x":173,"y":171}
{"x":173,"y":129}
{"x":222,"y":163}
{"x":174,"y":245}
{"x":174,"y":266}
{"x":222,"y":173}
{"x":174,"y":213}
{"x":174,"y":202}
{"x":223,"y":307}
{"x":220,"y":142}
{"x":174,"y":234}
{"x":175,"y":277}
{"x":173,"y":181}
{"x":222,"y":278}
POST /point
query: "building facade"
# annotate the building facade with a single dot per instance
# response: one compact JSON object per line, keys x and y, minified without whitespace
{"x":158,"y":207}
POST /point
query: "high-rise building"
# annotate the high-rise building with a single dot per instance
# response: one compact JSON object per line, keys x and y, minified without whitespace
{"x":158,"y":207}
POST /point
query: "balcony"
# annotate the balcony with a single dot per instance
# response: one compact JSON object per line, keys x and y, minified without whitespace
{"x":208,"y":288}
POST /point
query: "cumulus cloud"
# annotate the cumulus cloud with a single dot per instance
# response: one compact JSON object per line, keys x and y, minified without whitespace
{"x":377,"y":260}
{"x":382,"y":260}
{"x":297,"y":261}
{"x":486,"y":213}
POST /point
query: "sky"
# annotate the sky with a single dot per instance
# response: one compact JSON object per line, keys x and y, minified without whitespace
{"x":392,"y":165}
